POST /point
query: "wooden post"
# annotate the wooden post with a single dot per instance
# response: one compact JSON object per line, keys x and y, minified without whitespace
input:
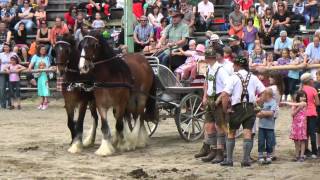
{"x":128,"y":25}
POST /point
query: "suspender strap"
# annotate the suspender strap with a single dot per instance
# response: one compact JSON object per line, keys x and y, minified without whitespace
{"x":244,"y":84}
{"x":214,"y":81}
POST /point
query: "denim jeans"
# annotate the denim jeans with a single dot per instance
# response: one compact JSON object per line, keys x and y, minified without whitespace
{"x":164,"y":58}
{"x":250,"y":46}
{"x":29,"y":25}
{"x":265,"y":140}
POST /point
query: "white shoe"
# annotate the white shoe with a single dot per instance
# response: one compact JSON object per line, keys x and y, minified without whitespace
{"x":40,"y":107}
{"x":313,"y":156}
{"x":268,"y":160}
{"x":261,"y":161}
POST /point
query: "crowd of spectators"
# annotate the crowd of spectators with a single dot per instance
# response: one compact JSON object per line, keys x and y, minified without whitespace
{"x":161,"y":27}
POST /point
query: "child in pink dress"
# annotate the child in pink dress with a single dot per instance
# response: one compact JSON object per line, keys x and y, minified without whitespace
{"x":299,"y":124}
{"x":189,"y":68}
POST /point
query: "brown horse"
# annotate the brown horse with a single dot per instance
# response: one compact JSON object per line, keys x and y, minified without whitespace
{"x":112,"y":86}
{"x":67,"y":58}
{"x":143,"y":84}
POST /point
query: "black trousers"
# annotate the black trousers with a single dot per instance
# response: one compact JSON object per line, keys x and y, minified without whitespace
{"x":311,"y":132}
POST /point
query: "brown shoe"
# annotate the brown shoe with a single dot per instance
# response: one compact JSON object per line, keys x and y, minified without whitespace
{"x":210,"y":156}
{"x":204,"y":151}
{"x":219,"y":157}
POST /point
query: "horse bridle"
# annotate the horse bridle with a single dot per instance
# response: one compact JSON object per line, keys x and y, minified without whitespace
{"x":68,"y":61}
{"x":92,"y":64}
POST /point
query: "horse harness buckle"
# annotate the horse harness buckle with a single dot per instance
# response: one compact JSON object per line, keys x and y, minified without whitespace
{"x":81,"y":86}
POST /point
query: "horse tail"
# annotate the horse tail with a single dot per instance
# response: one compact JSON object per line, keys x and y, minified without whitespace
{"x":150,"y":112}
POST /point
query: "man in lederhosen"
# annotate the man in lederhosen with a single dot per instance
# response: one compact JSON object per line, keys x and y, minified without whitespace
{"x":241,"y":89}
{"x":215,"y":125}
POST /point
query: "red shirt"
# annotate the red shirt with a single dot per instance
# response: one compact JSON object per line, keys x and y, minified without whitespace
{"x":311,"y":93}
{"x":137,"y":9}
{"x":69,"y":19}
{"x":245,"y":6}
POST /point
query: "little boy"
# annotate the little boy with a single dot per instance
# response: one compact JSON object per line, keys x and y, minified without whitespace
{"x":266,"y":127}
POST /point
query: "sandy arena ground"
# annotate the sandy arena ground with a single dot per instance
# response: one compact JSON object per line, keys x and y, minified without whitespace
{"x":33,"y":145}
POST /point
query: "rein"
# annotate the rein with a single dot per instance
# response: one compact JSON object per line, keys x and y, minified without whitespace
{"x":107,"y":60}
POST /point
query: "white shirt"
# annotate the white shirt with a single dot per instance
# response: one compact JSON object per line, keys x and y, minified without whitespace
{"x":234,"y":87}
{"x":277,"y":97}
{"x":221,"y":77}
{"x":206,"y":9}
{"x":228,"y":66}
{"x":5,"y":59}
{"x":261,"y":10}
{"x":154,"y":19}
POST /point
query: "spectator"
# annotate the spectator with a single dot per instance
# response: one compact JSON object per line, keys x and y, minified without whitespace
{"x":120,"y":4}
{"x":5,"y":35}
{"x":284,"y":60}
{"x":282,"y":42}
{"x":41,"y":61}
{"x":313,"y":54}
{"x":174,"y":4}
{"x":142,"y":34}
{"x":137,"y":8}
{"x":206,"y":10}
{"x":25,"y":15}
{"x":151,"y":48}
{"x":298,"y":11}
{"x":294,"y":75}
{"x":93,"y":6}
{"x":234,"y":43}
{"x":215,"y":42}
{"x":148,"y":4}
{"x":245,"y":6}
{"x":98,"y":23}
{"x":79,"y":21}
{"x":164,"y":23}
{"x":267,"y":24}
{"x":311,"y":11}
{"x":189,"y":17}
{"x":311,"y":112}
{"x":237,"y":20}
{"x":256,"y":19}
{"x":106,"y":8}
{"x":257,"y":58}
{"x":282,"y":19}
{"x":176,"y":35}
{"x":42,"y":3}
{"x":208,"y":36}
{"x":44,"y":35}
{"x":8,"y":14}
{"x":14,"y":81}
{"x":20,"y":38}
{"x":262,"y":8}
{"x":40,"y":15}
{"x":70,"y":17}
{"x":80,"y":33}
{"x":155,"y":17}
{"x":250,"y":33}
{"x":276,"y":3}
{"x":58,"y":29}
{"x":4,"y":81}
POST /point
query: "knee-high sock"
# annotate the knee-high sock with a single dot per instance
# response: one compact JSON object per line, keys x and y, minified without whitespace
{"x":230,"y":146}
{"x":212,"y":140}
{"x":247,"y":146}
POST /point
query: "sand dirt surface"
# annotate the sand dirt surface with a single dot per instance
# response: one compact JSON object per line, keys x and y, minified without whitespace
{"x":33,"y":145}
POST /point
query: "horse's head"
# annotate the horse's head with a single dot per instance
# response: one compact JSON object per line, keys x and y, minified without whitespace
{"x":93,"y":48}
{"x":63,"y":51}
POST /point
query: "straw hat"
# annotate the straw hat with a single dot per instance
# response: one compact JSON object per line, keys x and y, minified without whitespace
{"x":305,"y":77}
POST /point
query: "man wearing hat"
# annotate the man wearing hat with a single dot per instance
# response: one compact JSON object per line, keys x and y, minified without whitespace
{"x":235,"y":45}
{"x":174,"y":36}
{"x":215,"y":41}
{"x":282,"y":42}
{"x":241,"y":89}
{"x":142,"y":34}
{"x":216,"y":121}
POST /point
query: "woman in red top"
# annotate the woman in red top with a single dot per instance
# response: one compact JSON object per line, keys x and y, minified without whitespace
{"x":137,"y":8}
{"x":245,"y":6}
{"x":311,"y":113}
{"x":70,"y":17}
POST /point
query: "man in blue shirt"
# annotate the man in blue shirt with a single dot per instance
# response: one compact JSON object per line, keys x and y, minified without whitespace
{"x":313,"y":54}
{"x":142,"y":34}
{"x":282,"y":42}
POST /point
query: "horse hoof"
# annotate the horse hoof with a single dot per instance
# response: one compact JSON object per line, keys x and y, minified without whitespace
{"x":105,"y":149}
{"x":88,"y":142}
{"x":75,"y":148}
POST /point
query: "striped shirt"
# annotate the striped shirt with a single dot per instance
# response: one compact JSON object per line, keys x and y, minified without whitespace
{"x":143,"y":32}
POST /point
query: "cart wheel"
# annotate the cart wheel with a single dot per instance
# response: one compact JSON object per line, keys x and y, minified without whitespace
{"x":190,"y":117}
